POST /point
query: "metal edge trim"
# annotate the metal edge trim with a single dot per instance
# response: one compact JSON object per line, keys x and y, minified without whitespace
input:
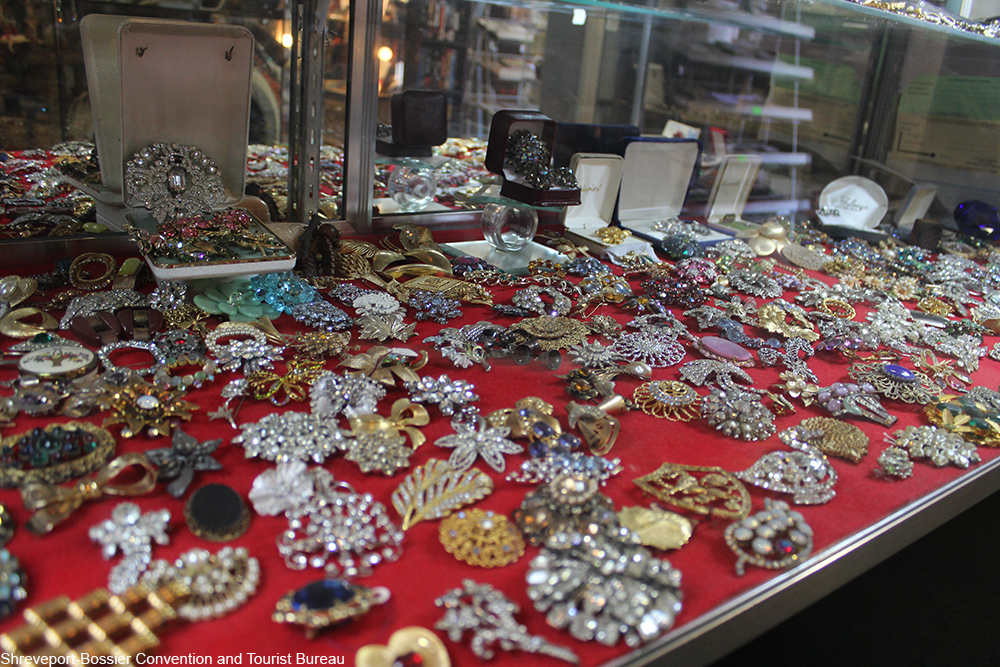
{"x":750,"y":614}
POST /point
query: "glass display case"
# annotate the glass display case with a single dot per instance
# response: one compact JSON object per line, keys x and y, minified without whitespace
{"x":818,"y":90}
{"x":789,"y":95}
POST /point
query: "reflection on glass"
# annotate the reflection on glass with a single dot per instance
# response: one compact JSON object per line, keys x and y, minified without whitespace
{"x":412,"y":188}
{"x":818,"y":90}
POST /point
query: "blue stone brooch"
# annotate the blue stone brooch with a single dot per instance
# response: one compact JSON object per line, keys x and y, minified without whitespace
{"x":327,"y":602}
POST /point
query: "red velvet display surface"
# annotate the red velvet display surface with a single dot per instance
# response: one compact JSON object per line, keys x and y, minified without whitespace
{"x":66,"y":562}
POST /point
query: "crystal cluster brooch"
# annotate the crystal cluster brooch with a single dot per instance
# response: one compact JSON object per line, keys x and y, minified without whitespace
{"x":291,"y":436}
{"x":805,"y":473}
{"x":132,"y":533}
{"x":605,"y":588}
{"x":936,"y":445}
{"x":773,"y":538}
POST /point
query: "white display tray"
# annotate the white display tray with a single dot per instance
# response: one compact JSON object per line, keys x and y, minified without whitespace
{"x":515,"y":263}
{"x":247,"y":264}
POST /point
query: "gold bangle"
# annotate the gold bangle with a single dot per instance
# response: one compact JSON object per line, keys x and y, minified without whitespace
{"x":82,"y":279}
{"x":11,"y":324}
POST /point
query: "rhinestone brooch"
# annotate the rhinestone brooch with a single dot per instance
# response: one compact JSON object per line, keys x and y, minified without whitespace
{"x":606,"y":589}
{"x":805,"y":473}
{"x":936,"y":445}
{"x":132,"y":533}
{"x":489,"y":616}
{"x":345,"y":532}
{"x":773,"y":538}
{"x":289,"y":436}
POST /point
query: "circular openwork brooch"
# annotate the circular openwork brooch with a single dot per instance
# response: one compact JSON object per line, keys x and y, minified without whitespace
{"x":668,"y":399}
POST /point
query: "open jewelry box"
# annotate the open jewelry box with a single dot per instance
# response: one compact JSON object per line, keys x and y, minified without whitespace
{"x":503,"y":127}
{"x":730,"y":191}
{"x":657,"y":175}
{"x":186,"y":85}
{"x":600,"y":177}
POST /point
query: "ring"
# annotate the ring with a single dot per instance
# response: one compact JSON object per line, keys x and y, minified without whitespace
{"x":83,"y":280}
{"x":11,"y":324}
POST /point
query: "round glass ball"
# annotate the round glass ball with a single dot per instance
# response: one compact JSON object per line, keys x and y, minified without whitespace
{"x":509,"y":228}
{"x":412,"y":188}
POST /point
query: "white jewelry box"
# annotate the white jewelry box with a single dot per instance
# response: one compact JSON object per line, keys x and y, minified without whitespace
{"x":599,"y":176}
{"x":657,"y":175}
{"x":732,"y":187}
{"x":174,"y":82}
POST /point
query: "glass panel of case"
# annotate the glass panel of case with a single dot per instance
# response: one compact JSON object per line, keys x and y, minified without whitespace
{"x":819,"y":90}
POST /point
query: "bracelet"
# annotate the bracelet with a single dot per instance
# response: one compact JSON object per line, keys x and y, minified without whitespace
{"x":104,"y":354}
{"x":232,"y":329}
{"x":82,"y":279}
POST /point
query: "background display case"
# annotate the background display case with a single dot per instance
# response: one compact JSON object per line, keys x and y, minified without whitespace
{"x":818,"y":90}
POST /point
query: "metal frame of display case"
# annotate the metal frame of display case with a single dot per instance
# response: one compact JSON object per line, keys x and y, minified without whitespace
{"x":754,"y":612}
{"x":736,"y":621}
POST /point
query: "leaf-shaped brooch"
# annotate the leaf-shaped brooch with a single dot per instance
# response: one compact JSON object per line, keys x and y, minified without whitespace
{"x":300,"y":374}
{"x":436,"y":490}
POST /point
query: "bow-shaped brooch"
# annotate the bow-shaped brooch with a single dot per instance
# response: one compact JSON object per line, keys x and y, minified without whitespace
{"x":404,"y":417}
{"x":53,"y":504}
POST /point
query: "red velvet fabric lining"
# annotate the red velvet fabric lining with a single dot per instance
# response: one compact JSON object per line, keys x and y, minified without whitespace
{"x":67,"y":563}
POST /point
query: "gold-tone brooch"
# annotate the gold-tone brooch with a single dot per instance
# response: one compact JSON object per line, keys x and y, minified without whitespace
{"x":54,"y":454}
{"x":451,"y":288}
{"x":53,"y":504}
{"x":384,"y":365}
{"x":840,"y":439}
{"x":300,"y":374}
{"x":704,"y":490}
{"x":481,"y":538}
{"x":554,"y":333}
{"x":520,"y":418}
{"x":140,"y":405}
{"x":657,"y":528}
